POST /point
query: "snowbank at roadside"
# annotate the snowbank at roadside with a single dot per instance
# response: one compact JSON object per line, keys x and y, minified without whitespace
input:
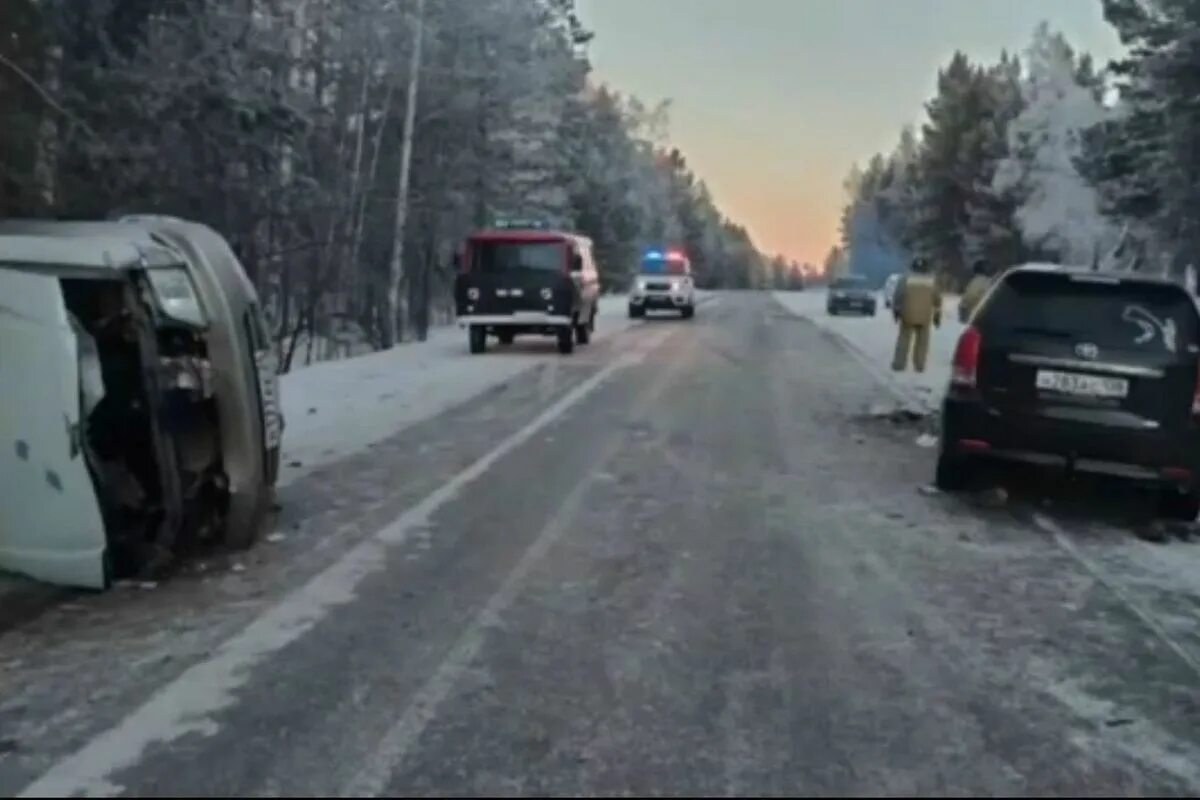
{"x":336,"y":408}
{"x":873,"y":340}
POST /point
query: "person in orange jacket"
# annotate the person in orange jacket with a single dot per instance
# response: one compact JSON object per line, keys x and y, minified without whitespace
{"x":918,"y":307}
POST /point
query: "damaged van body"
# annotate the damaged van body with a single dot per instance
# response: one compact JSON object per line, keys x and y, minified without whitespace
{"x":139,"y":414}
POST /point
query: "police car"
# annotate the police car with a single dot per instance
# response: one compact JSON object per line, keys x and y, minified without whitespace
{"x":522,"y":277}
{"x":664,"y":282}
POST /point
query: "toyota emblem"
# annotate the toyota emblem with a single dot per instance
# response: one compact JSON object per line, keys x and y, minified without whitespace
{"x":1087,"y":351}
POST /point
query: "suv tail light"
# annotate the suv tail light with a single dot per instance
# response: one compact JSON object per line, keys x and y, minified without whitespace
{"x":1196,"y":395}
{"x":966,"y":358}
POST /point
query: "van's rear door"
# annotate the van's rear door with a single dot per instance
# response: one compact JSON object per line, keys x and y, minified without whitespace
{"x":1097,"y":348}
{"x":50,"y":522}
{"x":518,"y":273}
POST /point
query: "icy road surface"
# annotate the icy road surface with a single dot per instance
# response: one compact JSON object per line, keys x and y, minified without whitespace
{"x":683,"y":561}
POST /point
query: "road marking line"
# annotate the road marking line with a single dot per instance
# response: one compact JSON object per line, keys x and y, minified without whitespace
{"x":373,"y":778}
{"x":187,"y":704}
{"x":1097,"y":572}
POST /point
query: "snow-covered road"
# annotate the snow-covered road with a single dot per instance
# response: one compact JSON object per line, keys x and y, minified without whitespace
{"x":337,"y":408}
{"x":689,"y":560}
{"x":873,"y":340}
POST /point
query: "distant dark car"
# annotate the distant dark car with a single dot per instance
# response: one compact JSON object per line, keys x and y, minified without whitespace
{"x":1087,"y":371}
{"x":851,"y":293}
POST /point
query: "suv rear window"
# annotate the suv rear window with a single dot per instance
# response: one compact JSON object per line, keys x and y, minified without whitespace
{"x":852,"y":282}
{"x":1117,"y":314}
{"x":498,"y":257}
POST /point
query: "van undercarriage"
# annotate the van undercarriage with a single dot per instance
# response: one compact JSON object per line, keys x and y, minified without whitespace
{"x":149,"y":427}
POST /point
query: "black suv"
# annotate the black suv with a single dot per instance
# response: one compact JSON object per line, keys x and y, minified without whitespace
{"x":850,"y":293}
{"x":1088,"y":371}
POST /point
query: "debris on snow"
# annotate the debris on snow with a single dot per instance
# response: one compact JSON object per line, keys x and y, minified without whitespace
{"x":238,"y":567}
{"x":927,"y":440}
{"x":929,"y":490}
{"x":276,"y":537}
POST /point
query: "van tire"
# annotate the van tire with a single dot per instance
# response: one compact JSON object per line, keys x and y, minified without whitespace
{"x":477,"y":336}
{"x":242,"y":531}
{"x":566,"y":339}
{"x":1184,"y":506}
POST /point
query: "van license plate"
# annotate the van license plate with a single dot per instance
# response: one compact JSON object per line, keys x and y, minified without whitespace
{"x":1082,"y":385}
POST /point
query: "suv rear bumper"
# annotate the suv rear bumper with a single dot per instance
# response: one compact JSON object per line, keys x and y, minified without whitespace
{"x":971,"y":429}
{"x":661,"y":300}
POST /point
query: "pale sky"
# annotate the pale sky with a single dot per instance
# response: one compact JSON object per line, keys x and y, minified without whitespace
{"x":773,"y":100}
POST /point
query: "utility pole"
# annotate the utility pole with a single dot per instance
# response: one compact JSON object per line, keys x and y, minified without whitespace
{"x":397,"y":303}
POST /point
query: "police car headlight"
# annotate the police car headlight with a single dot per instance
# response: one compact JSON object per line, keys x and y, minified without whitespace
{"x":547,"y":294}
{"x":472,"y":293}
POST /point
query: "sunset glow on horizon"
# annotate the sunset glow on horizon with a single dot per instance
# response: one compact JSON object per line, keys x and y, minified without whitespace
{"x":774,"y":100}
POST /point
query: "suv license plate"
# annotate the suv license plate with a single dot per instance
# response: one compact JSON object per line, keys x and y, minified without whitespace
{"x":1082,"y":385}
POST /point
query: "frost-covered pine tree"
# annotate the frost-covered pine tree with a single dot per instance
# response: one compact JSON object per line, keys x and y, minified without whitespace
{"x":991,"y":231}
{"x":1058,"y":210}
{"x":952,"y":162}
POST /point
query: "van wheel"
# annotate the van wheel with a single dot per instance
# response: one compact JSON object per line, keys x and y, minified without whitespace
{"x":583,"y":333}
{"x":953,"y":474}
{"x":1184,"y":507}
{"x":506,"y":337}
{"x":478,"y":339}
{"x":566,"y":340}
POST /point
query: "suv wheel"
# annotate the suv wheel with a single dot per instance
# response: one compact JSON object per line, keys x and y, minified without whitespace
{"x":566,"y":339}
{"x":478,"y":338}
{"x":636,"y":312}
{"x":689,"y":312}
{"x":1183,"y":506}
{"x":506,"y":337}
{"x":953,"y":474}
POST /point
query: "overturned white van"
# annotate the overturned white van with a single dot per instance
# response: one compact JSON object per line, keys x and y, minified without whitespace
{"x":139,"y":414}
